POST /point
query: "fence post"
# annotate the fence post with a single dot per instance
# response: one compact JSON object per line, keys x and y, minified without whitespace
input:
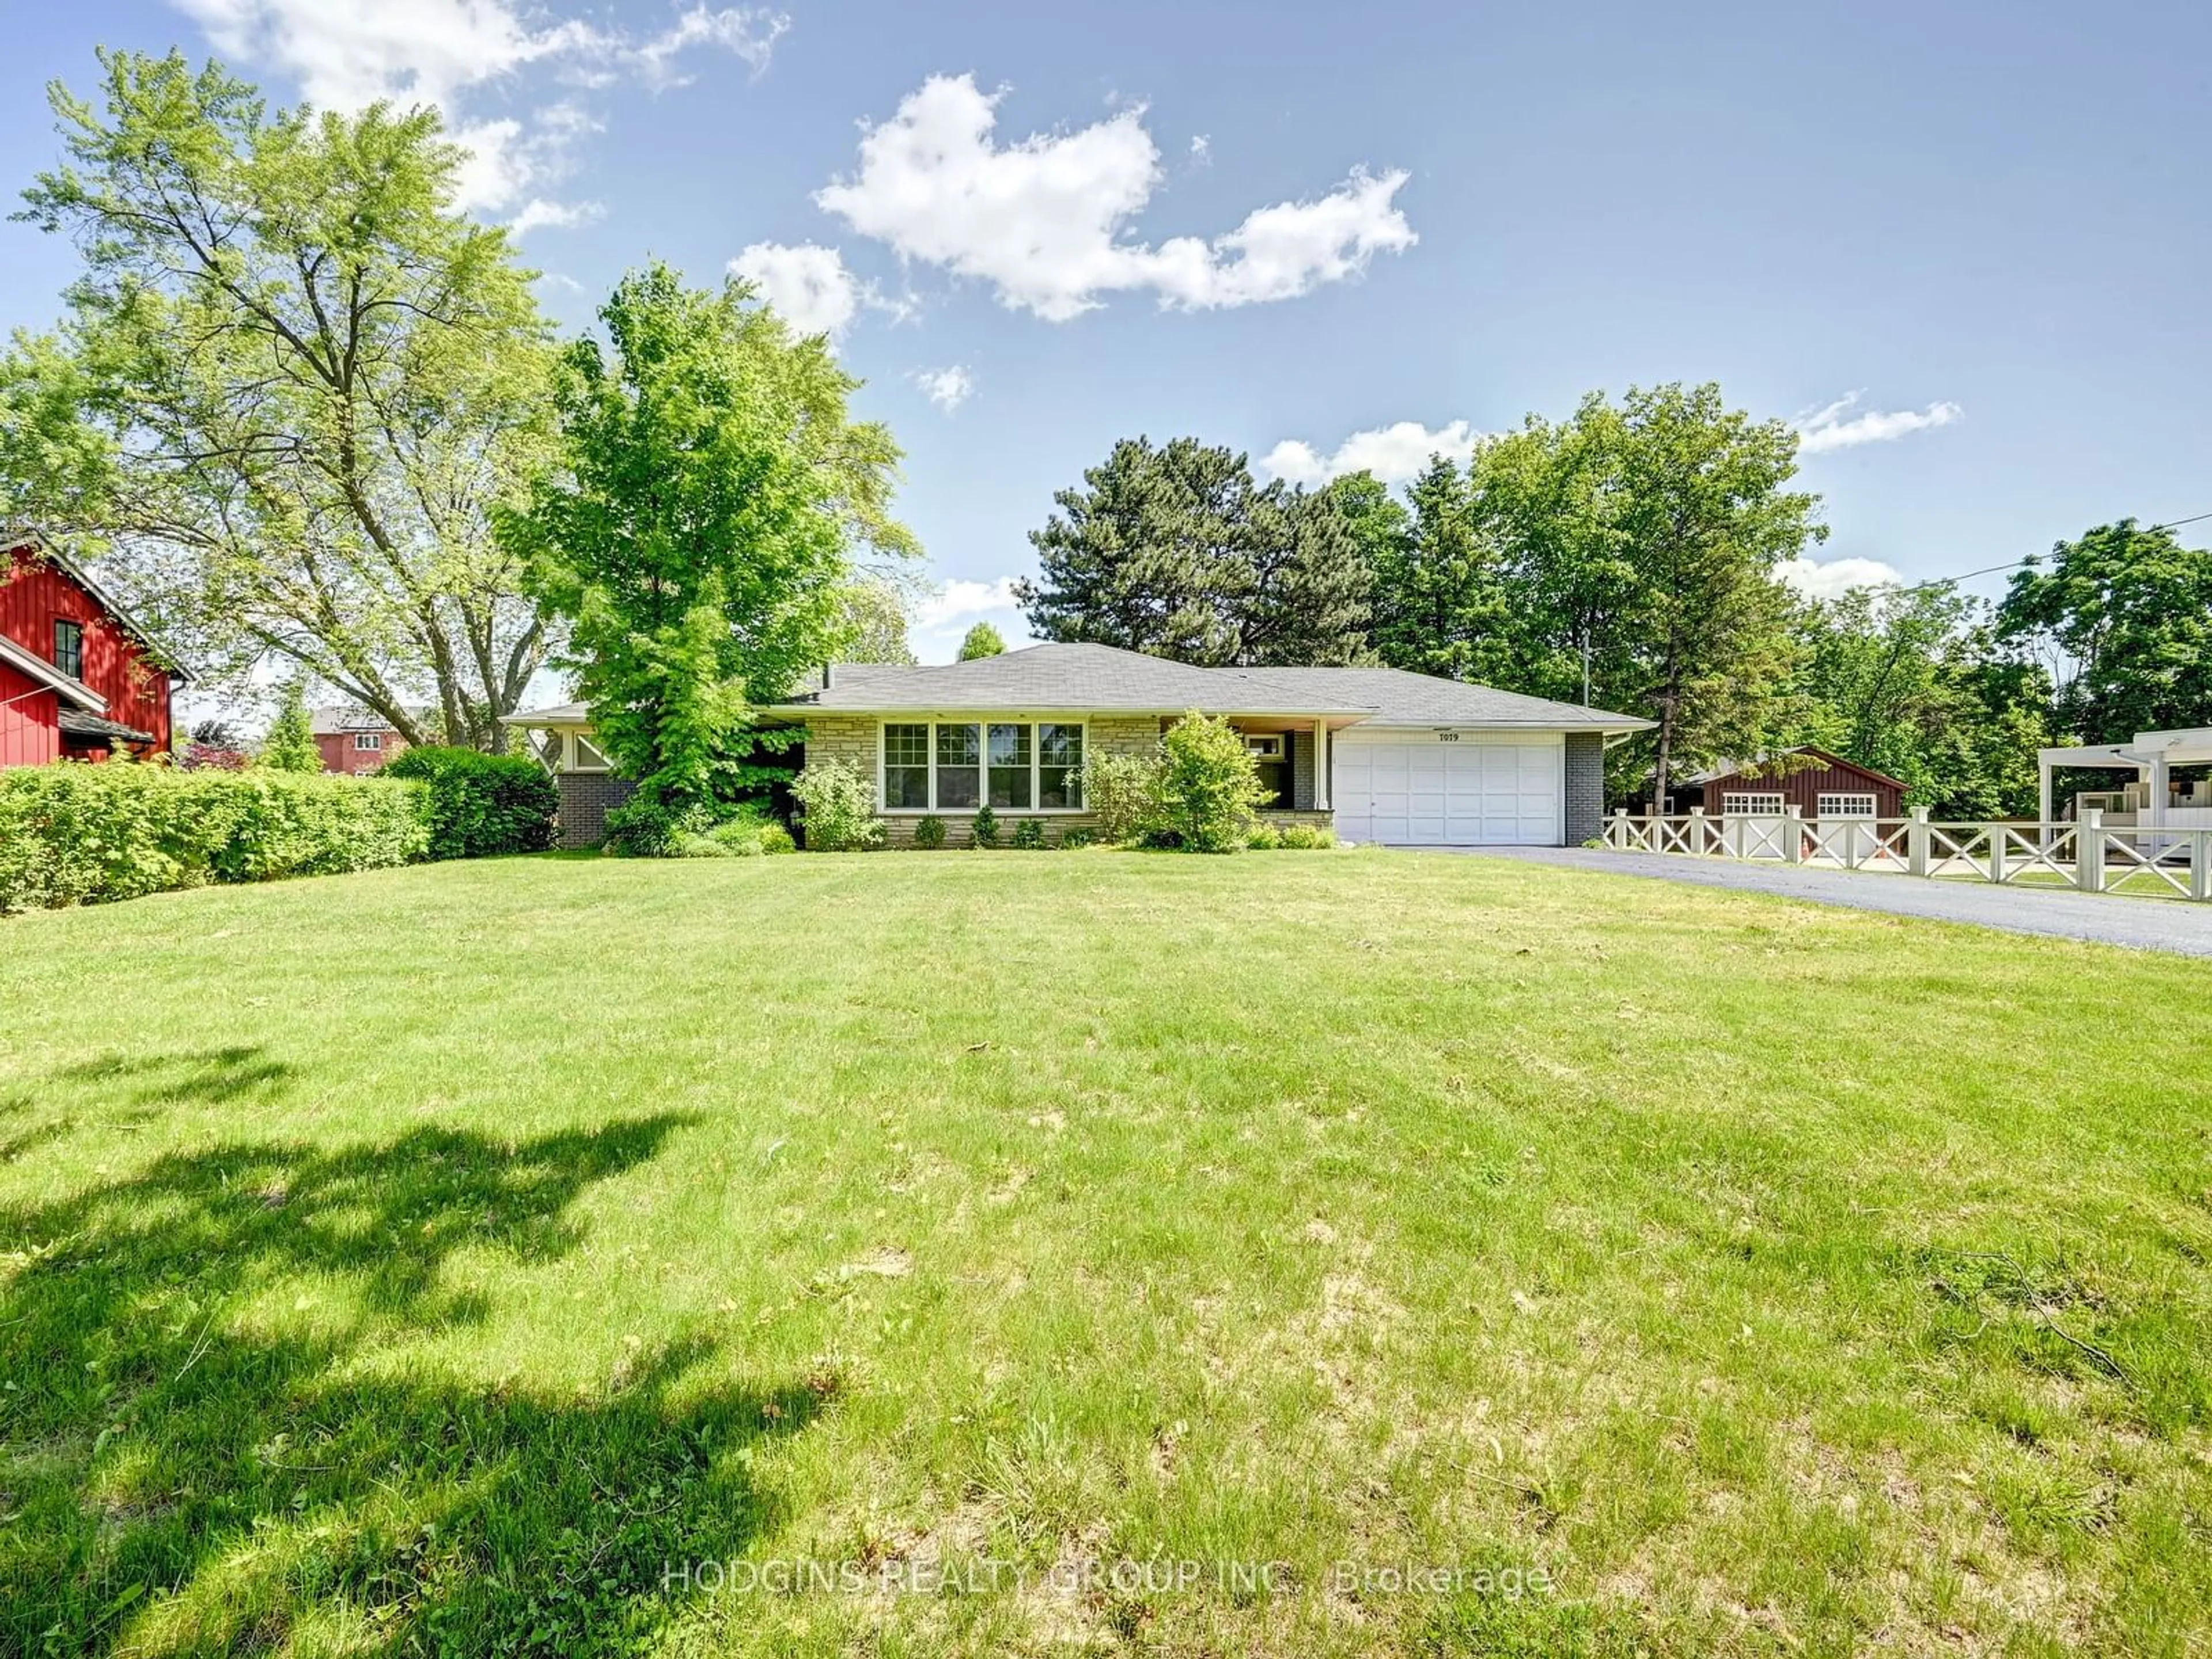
{"x":1793,"y":834}
{"x":1698,"y":830}
{"x":2200,"y":864}
{"x":1620,"y":829}
{"x":2089,"y":851}
{"x":1996,"y":832}
{"x":1916,"y":843}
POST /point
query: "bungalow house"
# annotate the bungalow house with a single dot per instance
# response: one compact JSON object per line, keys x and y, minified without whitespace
{"x":79,"y":678}
{"x":1377,"y":753}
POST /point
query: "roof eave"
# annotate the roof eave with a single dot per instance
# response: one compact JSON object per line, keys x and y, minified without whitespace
{"x":32,"y":666}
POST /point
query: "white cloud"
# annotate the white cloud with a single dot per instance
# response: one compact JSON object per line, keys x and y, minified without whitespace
{"x":1836,"y":577}
{"x":807,"y":285}
{"x":1043,"y":220}
{"x":347,"y":54}
{"x":1201,"y":149}
{"x":959,"y":601}
{"x":948,"y":388}
{"x":1393,"y":453}
{"x":539,"y":213}
{"x":750,"y":33}
{"x":1836,"y":427}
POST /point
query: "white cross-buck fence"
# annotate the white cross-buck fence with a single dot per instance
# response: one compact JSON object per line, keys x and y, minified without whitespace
{"x":2144,"y":862}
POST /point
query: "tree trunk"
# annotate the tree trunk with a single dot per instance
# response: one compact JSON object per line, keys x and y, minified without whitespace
{"x":1659,"y":761}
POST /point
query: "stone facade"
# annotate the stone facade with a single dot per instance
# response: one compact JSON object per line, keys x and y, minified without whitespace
{"x":587,"y":797}
{"x":1584,"y":809}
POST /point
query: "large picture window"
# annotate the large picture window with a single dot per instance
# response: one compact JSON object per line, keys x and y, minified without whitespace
{"x":905,"y":767}
{"x":1059,"y":761}
{"x":1020,"y":765}
{"x":1011,"y":760}
{"x":959,"y":765}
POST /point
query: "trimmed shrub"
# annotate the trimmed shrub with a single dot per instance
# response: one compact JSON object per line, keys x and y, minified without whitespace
{"x":1029,"y":836}
{"x":688,"y":846}
{"x":481,"y":805}
{"x":1265,"y":839}
{"x":1075,"y":838}
{"x":837,"y":808}
{"x":1209,"y":785}
{"x":929,"y":833}
{"x":74,"y":833}
{"x":1123,"y":792}
{"x":1305,"y":838}
{"x":774,"y":838}
{"x":984,"y":829}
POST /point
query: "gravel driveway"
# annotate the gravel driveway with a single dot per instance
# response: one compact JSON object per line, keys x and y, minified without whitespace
{"x":2141,"y":924}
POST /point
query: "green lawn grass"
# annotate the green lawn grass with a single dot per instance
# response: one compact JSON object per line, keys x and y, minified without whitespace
{"x":430,"y":1260}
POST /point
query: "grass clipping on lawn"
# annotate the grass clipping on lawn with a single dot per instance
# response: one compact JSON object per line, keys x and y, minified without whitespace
{"x":532,"y":1255}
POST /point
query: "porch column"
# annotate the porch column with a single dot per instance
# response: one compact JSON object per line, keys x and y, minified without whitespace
{"x":1320,"y":759}
{"x":2155,"y":788}
{"x":2043,"y":795}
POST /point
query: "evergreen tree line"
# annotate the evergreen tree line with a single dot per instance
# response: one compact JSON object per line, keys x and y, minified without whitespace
{"x":1635,"y":557}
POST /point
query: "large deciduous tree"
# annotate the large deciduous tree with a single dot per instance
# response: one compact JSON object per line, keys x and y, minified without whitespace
{"x":1641,"y":541}
{"x":697,"y":535}
{"x":1175,"y":550}
{"x":1911,"y":683}
{"x":2122,"y":617}
{"x":1442,"y":602}
{"x":290,"y":384}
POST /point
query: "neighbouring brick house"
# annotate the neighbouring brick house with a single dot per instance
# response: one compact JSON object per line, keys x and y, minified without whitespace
{"x":79,"y":678}
{"x":353,"y":740}
{"x":1376,"y":754}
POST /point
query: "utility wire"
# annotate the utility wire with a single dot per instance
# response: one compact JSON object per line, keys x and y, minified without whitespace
{"x":1992,"y":569}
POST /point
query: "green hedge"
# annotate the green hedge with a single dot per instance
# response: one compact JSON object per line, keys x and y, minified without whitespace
{"x":74,"y":833}
{"x":482,"y":805}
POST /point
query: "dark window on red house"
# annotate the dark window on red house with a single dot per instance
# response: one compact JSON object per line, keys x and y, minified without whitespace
{"x":69,"y":648}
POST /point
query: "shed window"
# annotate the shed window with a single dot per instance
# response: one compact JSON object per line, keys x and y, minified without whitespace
{"x":1846,"y":806}
{"x":588,"y":756}
{"x":1749,"y":805}
{"x":69,"y":647}
{"x":368,"y":739}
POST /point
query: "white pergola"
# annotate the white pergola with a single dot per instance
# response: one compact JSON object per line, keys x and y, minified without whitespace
{"x":2151,"y":757}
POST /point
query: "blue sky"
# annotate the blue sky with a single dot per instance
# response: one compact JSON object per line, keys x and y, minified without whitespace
{"x":1329,"y":234}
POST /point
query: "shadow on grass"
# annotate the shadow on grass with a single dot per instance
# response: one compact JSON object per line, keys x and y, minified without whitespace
{"x":199,"y":1452}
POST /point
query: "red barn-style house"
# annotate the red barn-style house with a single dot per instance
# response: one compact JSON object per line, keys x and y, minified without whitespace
{"x":79,"y":679}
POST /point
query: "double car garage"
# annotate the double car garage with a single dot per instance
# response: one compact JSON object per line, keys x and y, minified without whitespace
{"x":1441,"y":788}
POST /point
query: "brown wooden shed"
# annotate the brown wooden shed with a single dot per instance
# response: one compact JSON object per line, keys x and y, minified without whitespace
{"x":1819,"y":784}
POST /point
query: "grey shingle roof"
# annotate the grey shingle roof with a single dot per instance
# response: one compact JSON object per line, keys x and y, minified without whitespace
{"x":1394,"y":696}
{"x":1049,"y":679}
{"x":1068,"y":676}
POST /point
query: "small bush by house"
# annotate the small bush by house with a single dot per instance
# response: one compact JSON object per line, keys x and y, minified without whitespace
{"x":837,"y":808}
{"x":1209,"y":787}
{"x":73,"y":833}
{"x":983,"y":832}
{"x":1123,"y":794}
{"x":482,"y":805}
{"x":928,"y":833}
{"x":1029,"y":836}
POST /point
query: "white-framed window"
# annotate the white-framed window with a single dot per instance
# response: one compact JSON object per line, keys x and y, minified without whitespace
{"x":368,"y":739}
{"x":958,"y":765}
{"x":1845,"y":806}
{"x":586,"y":755}
{"x":1264,"y":745}
{"x":1750,"y":806}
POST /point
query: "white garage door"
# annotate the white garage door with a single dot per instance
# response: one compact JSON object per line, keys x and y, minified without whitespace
{"x":1450,"y":788}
